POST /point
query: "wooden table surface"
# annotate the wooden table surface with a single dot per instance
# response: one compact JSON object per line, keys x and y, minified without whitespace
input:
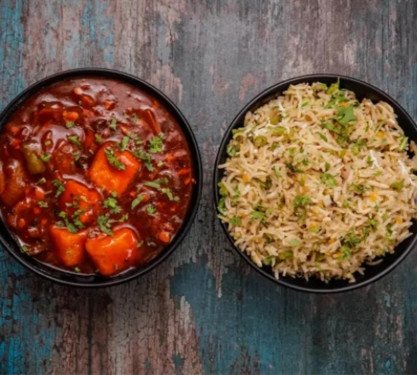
{"x":204,"y":310}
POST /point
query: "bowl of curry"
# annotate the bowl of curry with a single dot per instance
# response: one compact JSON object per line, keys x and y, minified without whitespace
{"x":100,"y":177}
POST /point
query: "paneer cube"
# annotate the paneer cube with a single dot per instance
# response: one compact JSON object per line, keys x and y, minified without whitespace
{"x":69,"y":246}
{"x":113,"y":254}
{"x":112,"y":169}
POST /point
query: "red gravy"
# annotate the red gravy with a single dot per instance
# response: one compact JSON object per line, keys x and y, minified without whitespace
{"x":95,"y":176}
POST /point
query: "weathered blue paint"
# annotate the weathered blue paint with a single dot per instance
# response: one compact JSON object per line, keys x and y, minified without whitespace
{"x":282,"y":331}
{"x":18,"y":327}
{"x":97,"y":19}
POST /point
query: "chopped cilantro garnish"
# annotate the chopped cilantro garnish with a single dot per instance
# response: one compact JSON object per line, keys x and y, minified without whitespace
{"x":69,"y":124}
{"x":137,"y":201}
{"x":222,"y":189}
{"x":156,"y":145}
{"x":152,"y":184}
{"x":42,"y":204}
{"x":345,"y":252}
{"x":221,"y":205}
{"x":334,"y":87}
{"x":358,"y":188}
{"x":41,"y":181}
{"x":258,"y":215}
{"x":301,"y":201}
{"x":113,"y":124}
{"x":170,"y":195}
{"x":151,"y":210}
{"x":124,"y":143}
{"x":329,"y":126}
{"x":77,"y":269}
{"x":76,"y":218}
{"x":235,"y":221}
{"x":142,"y":155}
{"x":356,"y":147}
{"x":328,"y":179}
{"x":351,"y":239}
{"x":60,"y":187}
{"x":373,"y":223}
{"x":293,"y":168}
{"x":322,"y":136}
{"x":300,"y":204}
{"x":112,"y":204}
{"x":98,"y":138}
{"x":113,"y":160}
{"x":70,"y":227}
{"x":345,"y":115}
{"x":104,"y":223}
{"x":156,"y":184}
{"x":74,"y":139}
{"x":294,"y":242}
{"x":124,"y":218}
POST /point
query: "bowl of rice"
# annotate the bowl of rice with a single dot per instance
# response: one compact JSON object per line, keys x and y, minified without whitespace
{"x":315,"y":183}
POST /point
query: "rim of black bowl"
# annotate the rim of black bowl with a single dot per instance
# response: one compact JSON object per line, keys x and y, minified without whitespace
{"x":361,"y":89}
{"x":93,"y":281}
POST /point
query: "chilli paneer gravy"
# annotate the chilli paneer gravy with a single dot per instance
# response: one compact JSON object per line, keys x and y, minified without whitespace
{"x":95,"y":176}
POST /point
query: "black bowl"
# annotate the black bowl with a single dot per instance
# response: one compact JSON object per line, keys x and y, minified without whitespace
{"x":83,"y":280}
{"x":362,"y":90}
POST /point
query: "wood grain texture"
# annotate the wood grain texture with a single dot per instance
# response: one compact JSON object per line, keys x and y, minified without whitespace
{"x":204,"y":310}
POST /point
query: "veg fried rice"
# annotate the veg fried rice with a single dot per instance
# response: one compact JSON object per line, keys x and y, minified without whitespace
{"x":318,"y":183}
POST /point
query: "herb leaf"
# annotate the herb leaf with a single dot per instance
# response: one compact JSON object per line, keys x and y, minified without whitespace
{"x":345,"y":115}
{"x":142,"y":155}
{"x":328,"y":179}
{"x":137,"y":201}
{"x":151,"y":210}
{"x":113,"y":124}
{"x":60,"y":187}
{"x":113,"y":160}
{"x":74,"y":139}
{"x":156,"y":145}
{"x":112,"y":204}
{"x":235,"y":221}
{"x":123,"y":144}
{"x":104,"y":223}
